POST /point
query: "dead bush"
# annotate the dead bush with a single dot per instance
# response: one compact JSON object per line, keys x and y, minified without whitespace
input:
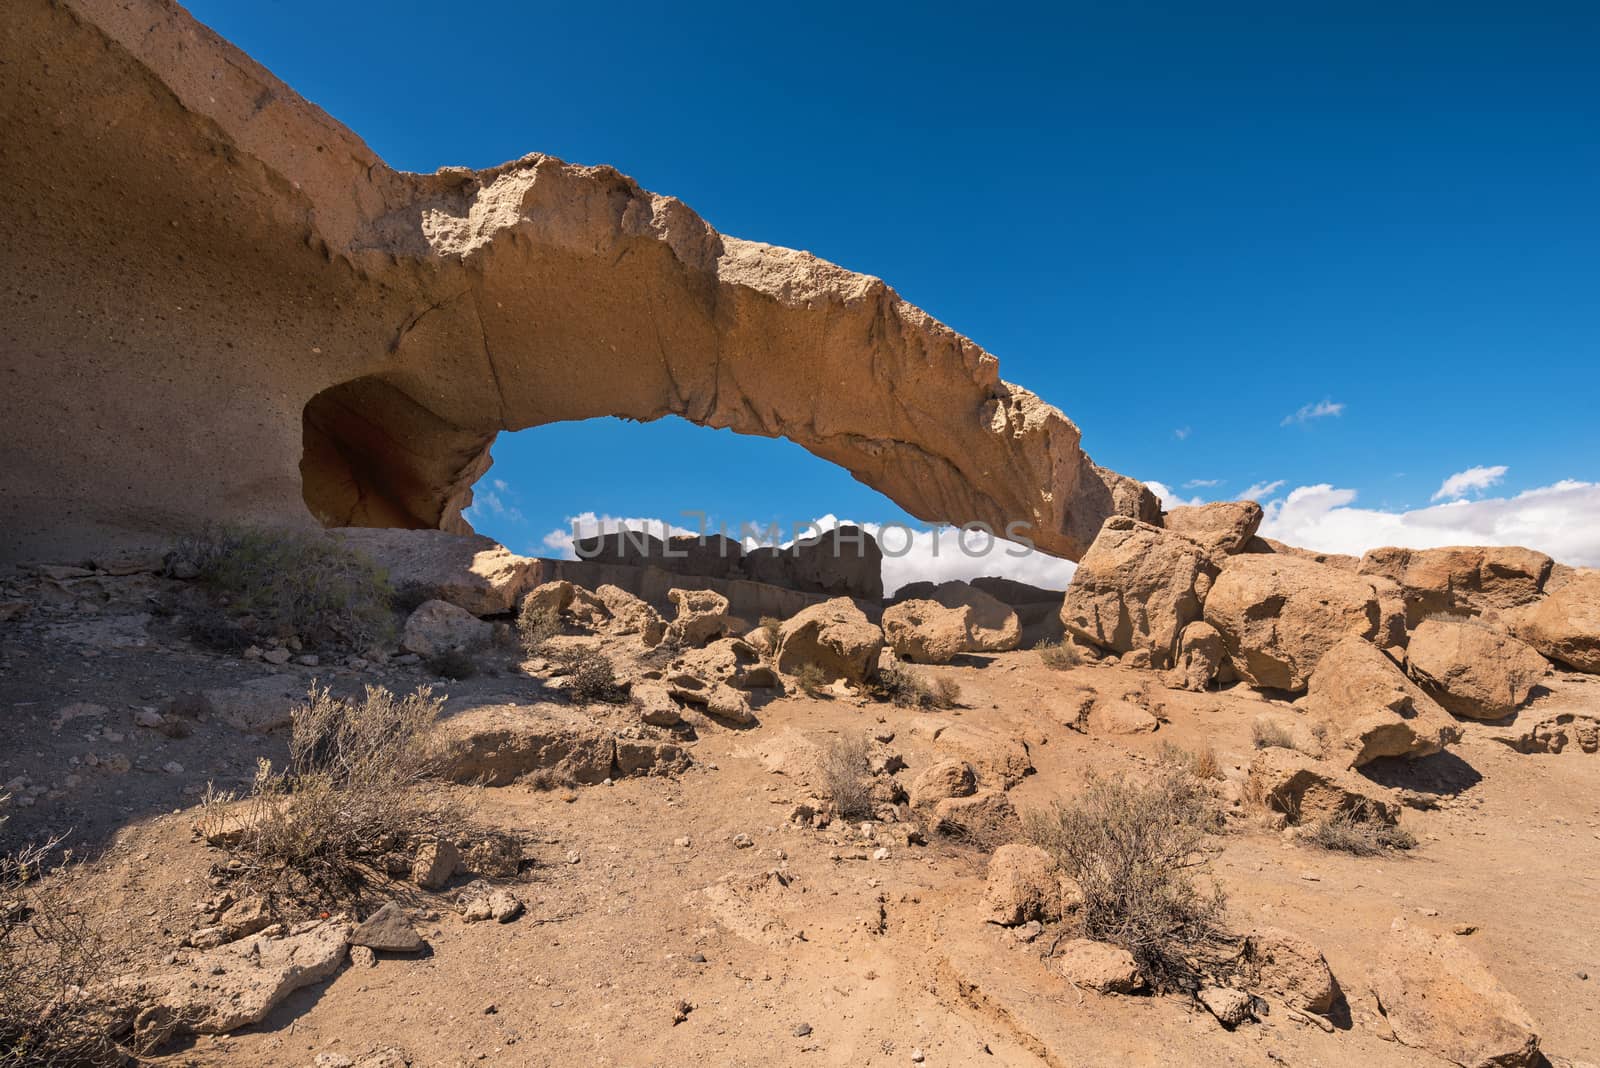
{"x":537,"y":623}
{"x":1201,"y":763}
{"x":591,"y":676}
{"x":846,"y":777}
{"x":1137,"y":851}
{"x":456,"y":664}
{"x":908,"y":689}
{"x":1059,"y":655}
{"x":770,"y":626}
{"x":1267,"y":734}
{"x":811,"y":679}
{"x":53,"y":970}
{"x":350,"y":795}
{"x":288,"y":582}
{"x":1357,"y":832}
{"x":979,"y":827}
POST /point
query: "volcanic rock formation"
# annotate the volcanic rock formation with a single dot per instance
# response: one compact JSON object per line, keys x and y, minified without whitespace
{"x":222,"y":304}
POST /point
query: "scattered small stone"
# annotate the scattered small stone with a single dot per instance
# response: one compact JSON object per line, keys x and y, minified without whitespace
{"x":1428,"y":912}
{"x":308,"y":660}
{"x":434,"y":864}
{"x":149,"y":718}
{"x":1584,"y":976}
{"x":1028,"y":931}
{"x":363,"y":957}
{"x":276,"y":656}
{"x":172,"y":767}
{"x":743,"y":841}
{"x":802,"y":1030}
{"x":1311,"y":877}
{"x":917,"y":1056}
{"x":1465,"y":929}
{"x":880,"y":853}
{"x":1230,"y":1007}
{"x":697,"y":958}
{"x":681,"y":1011}
{"x":388,"y":930}
{"x":682,"y":843}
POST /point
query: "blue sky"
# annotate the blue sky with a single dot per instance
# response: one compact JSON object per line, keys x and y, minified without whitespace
{"x":1183,"y":227}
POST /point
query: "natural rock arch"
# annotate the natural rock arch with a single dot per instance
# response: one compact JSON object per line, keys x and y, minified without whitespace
{"x":245,"y":313}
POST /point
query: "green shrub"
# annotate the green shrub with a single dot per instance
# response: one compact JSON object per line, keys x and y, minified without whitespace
{"x":292,"y":582}
{"x":1136,"y":851}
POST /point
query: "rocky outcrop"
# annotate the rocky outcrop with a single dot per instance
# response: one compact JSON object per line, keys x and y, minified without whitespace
{"x":1279,"y":614}
{"x":1308,"y":791}
{"x":471,"y":572}
{"x":1369,"y":709}
{"x":341,"y":340}
{"x":834,"y":636}
{"x":1026,"y":884}
{"x":992,"y":625}
{"x":1290,"y":969}
{"x":1465,"y":579}
{"x":438,"y":627}
{"x":1565,"y":626}
{"x":1137,"y":587}
{"x":926,"y":632}
{"x":1472,"y":670}
{"x":1223,"y":527}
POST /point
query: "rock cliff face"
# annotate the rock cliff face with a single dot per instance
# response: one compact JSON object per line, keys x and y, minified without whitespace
{"x":220,"y":303}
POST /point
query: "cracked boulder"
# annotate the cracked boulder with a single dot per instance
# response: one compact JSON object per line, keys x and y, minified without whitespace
{"x":1472,"y":670}
{"x":1369,"y":709}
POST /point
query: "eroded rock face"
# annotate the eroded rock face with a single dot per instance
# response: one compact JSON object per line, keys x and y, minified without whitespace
{"x":926,"y":632}
{"x":1279,"y":614}
{"x":1222,"y":526}
{"x":1565,"y":626}
{"x":471,"y":572}
{"x":836,"y":636}
{"x":1473,"y":671}
{"x":1370,"y":708}
{"x":373,"y":330}
{"x":1137,"y":587}
{"x":1465,"y":579}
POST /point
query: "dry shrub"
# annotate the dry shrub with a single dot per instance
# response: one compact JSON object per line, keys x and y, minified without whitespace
{"x":591,"y":676}
{"x":1137,"y":851}
{"x":1358,"y":832}
{"x":908,"y":689}
{"x":1201,"y":763}
{"x":811,"y":679}
{"x":350,"y":795}
{"x":981,"y":828}
{"x":846,"y":777}
{"x":456,"y":664}
{"x":536,"y":624}
{"x":770,"y":626}
{"x":1060,"y":655}
{"x":53,"y":970}
{"x":1267,"y":734}
{"x":291,"y":582}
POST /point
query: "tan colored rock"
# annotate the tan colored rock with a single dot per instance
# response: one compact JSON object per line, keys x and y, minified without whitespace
{"x":655,"y":704}
{"x":1230,"y":1007}
{"x":371,"y":306}
{"x":435,"y":864}
{"x":1290,"y":969}
{"x":992,"y":625}
{"x":1000,"y":758}
{"x":946,"y":778}
{"x":987,"y":816}
{"x":836,"y":636}
{"x":470,"y":571}
{"x":498,"y":744}
{"x":1222,"y":527}
{"x":845,"y":561}
{"x":1200,"y":655}
{"x":1371,"y":709}
{"x":1278,"y":615}
{"x":1121,"y":717}
{"x":1472,"y":670}
{"x":1136,"y":588}
{"x":1463,"y":579}
{"x":1308,"y":791}
{"x":713,"y":695}
{"x":1437,"y":996}
{"x":553,"y":597}
{"x":1025,"y":883}
{"x":631,"y":615}
{"x":702,"y":615}
{"x":1097,"y":966}
{"x":730,"y":660}
{"x":439,"y":626}
{"x":926,"y":632}
{"x":1338,"y":561}
{"x":1565,"y":626}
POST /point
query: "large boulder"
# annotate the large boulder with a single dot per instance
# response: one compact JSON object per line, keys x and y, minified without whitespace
{"x":1472,"y":670}
{"x":1290,"y":969}
{"x":1025,"y":883}
{"x":468,"y":570}
{"x":1438,"y":997}
{"x":1137,"y":587}
{"x":1565,"y":626}
{"x":1465,"y":579}
{"x":630,"y":615}
{"x":702,"y":615}
{"x":439,"y":626}
{"x":1309,"y":791}
{"x":1278,"y":615}
{"x":836,"y":636}
{"x":1222,"y":527}
{"x":943,"y":779}
{"x":926,"y":632}
{"x":1370,"y":709}
{"x":992,"y":625}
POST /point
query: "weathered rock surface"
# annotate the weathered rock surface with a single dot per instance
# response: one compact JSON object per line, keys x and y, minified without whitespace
{"x":1286,"y":967}
{"x":992,"y":625}
{"x":1224,"y":527}
{"x":1279,"y":614}
{"x":1464,"y":579}
{"x":258,"y":706}
{"x":836,"y":636}
{"x":497,"y":744}
{"x":702,"y":615}
{"x":1472,"y":670}
{"x":843,"y":562}
{"x":926,"y":632}
{"x":943,"y":779}
{"x":1025,"y":883}
{"x":1137,"y":587}
{"x":1000,"y":758}
{"x":388,"y":930}
{"x":469,"y":571}
{"x":1438,"y":996}
{"x":1097,"y":966}
{"x":1371,"y":709}
{"x":438,"y":626}
{"x":1565,"y":626}
{"x":345,"y":306}
{"x":1200,"y":654}
{"x":1308,"y":790}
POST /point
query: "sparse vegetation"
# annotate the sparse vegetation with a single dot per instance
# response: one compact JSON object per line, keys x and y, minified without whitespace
{"x":591,"y":676}
{"x":1201,"y":763}
{"x":1268,"y":734}
{"x":537,"y":623}
{"x":769,"y":625}
{"x":908,"y":689}
{"x":846,"y":776}
{"x":811,"y":679}
{"x":278,"y":583}
{"x":1059,"y":655}
{"x":1137,"y":851}
{"x":454,"y":664}
{"x":1358,"y":832}
{"x":983,"y":828}
{"x":349,"y":796}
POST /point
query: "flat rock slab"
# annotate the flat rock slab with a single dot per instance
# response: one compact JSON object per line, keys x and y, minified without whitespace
{"x":259,"y":706}
{"x":388,"y":930}
{"x":498,"y":744}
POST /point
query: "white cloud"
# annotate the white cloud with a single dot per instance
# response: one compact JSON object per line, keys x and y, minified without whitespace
{"x":488,"y":504}
{"x":909,"y":555}
{"x":1169,"y":498}
{"x":1181,"y":433}
{"x":1562,"y":519}
{"x":1308,"y":412}
{"x":1202,"y":483}
{"x":1472,"y":479}
{"x":1260,"y":491}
